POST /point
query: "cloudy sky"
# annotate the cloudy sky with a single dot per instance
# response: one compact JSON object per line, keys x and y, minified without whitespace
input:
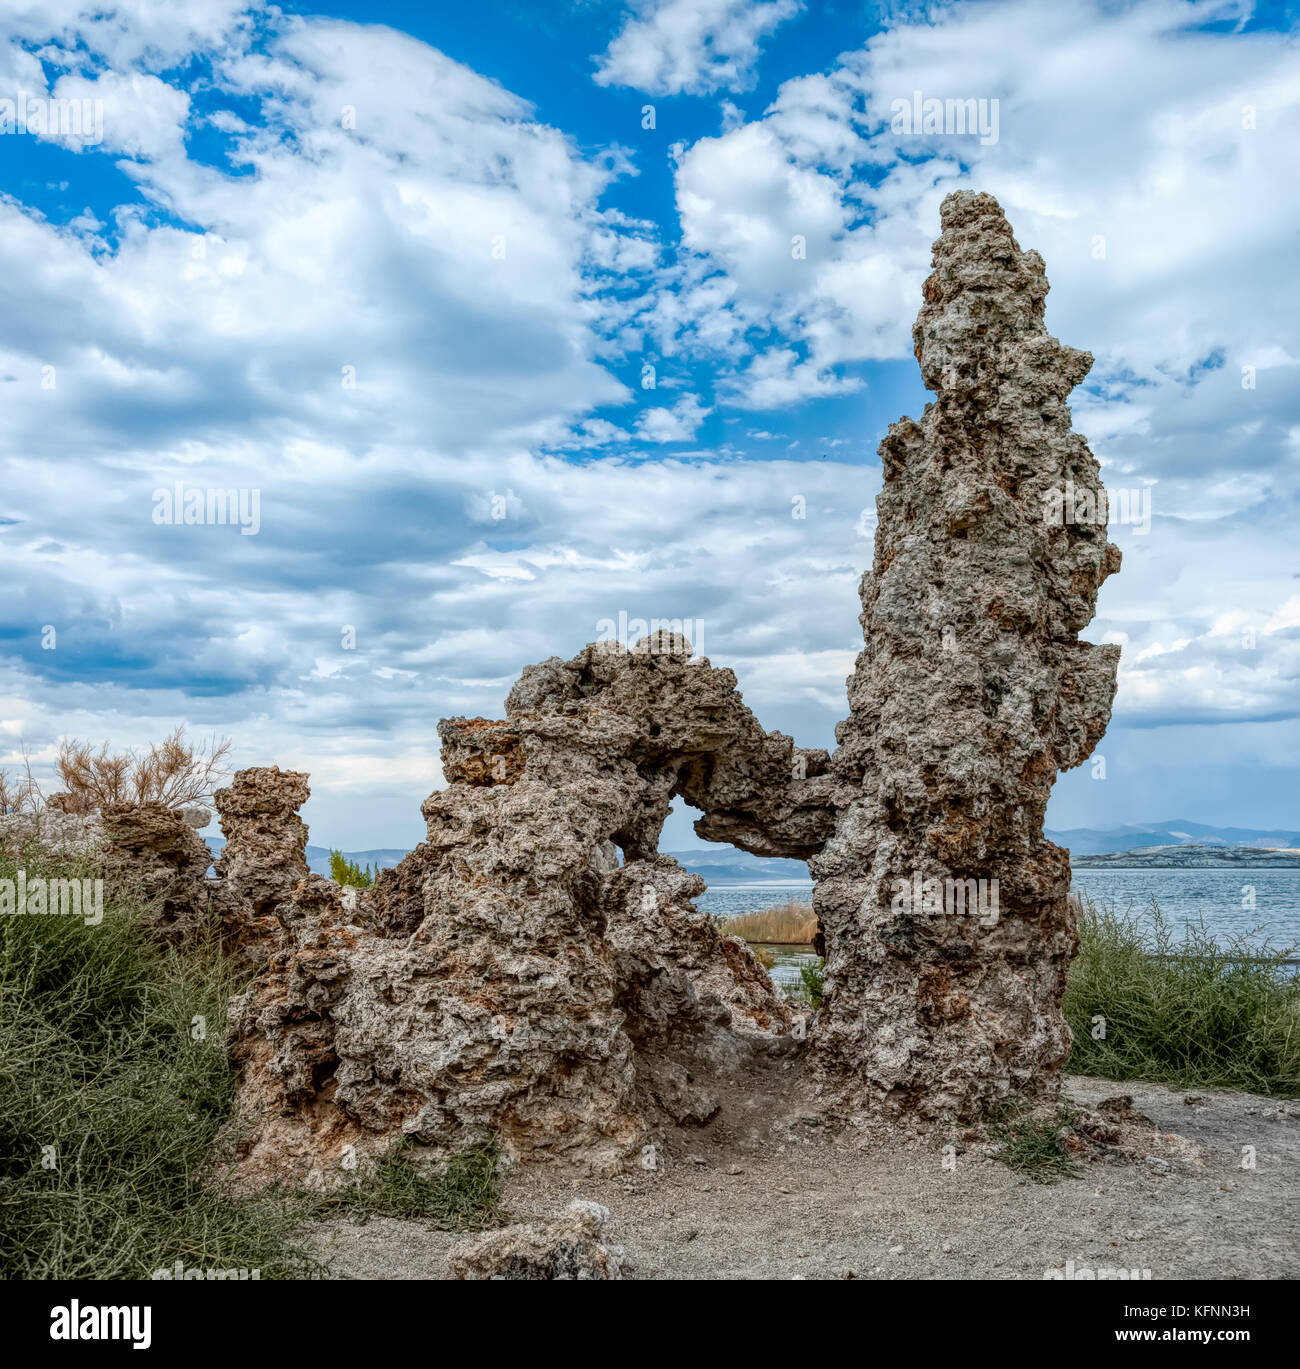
{"x":517,"y":317}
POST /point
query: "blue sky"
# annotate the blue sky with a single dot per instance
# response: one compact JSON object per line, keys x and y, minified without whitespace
{"x":407,"y":272}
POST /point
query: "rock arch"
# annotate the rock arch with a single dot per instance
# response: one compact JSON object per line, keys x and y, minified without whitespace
{"x":510,"y":976}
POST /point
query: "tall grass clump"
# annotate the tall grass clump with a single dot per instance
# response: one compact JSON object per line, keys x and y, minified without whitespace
{"x":791,"y":924}
{"x":462,"y":1194}
{"x":1182,"y":1009}
{"x":114,"y":1081}
{"x":1031,"y":1145}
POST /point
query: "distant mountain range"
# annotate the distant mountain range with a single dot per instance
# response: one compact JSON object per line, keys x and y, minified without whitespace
{"x":1087,"y":841}
{"x":318,"y":857}
{"x":721,"y":865}
{"x":1189,"y":857}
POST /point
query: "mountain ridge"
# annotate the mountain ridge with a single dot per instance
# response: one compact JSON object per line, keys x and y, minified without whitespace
{"x":722,"y":865}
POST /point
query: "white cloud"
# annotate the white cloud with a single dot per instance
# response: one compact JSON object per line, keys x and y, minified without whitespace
{"x":141,"y":115}
{"x":678,"y":424}
{"x":695,"y":46}
{"x":214,"y":352}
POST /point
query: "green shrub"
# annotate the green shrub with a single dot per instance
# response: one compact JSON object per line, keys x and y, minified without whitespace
{"x":814,"y":979}
{"x":1031,"y":1145}
{"x":349,"y":873}
{"x":810,"y":988}
{"x":114,"y":1081}
{"x":462,"y":1194}
{"x":1183,"y":1009}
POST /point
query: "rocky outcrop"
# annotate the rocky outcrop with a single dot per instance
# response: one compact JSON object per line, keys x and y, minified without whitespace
{"x":53,"y":830}
{"x":154,"y":854}
{"x":148,"y":853}
{"x":265,"y":854}
{"x":264,"y":858}
{"x":973,"y":690}
{"x":536,"y":970}
{"x":570,"y":1247}
{"x":510,"y":976}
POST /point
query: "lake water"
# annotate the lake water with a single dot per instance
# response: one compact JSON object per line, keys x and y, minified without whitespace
{"x":1183,"y":895}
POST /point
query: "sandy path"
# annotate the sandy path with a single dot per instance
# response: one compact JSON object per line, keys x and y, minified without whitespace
{"x":804,"y":1206}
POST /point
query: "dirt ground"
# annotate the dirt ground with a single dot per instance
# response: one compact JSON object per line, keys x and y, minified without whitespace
{"x":790,"y":1202}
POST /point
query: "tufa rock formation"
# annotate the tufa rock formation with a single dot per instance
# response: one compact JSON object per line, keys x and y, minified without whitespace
{"x":513,"y":976}
{"x":510,"y":976}
{"x":51,"y":829}
{"x":154,"y":853}
{"x":265,"y":854}
{"x":570,"y":1247}
{"x":973,"y":690}
{"x":146,"y":852}
{"x":264,"y":858}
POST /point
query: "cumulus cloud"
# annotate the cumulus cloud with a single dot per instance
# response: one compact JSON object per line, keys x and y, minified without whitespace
{"x":678,"y":424}
{"x":695,"y":46}
{"x":385,"y":294}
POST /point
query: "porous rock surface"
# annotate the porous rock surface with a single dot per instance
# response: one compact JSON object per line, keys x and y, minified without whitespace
{"x":147,"y":852}
{"x":972,"y":691}
{"x":154,"y":853}
{"x":53,"y":829}
{"x":510,"y":977}
{"x":265,"y":854}
{"x":570,"y":1247}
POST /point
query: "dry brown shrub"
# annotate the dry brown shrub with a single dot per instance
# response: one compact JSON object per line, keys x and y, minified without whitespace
{"x":792,"y":924}
{"x":20,"y":793}
{"x":172,"y":772}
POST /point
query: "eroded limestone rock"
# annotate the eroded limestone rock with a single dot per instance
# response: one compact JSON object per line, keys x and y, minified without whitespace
{"x":572,"y":1246}
{"x":264,"y":858}
{"x":265,"y":853}
{"x":973,"y":690}
{"x":509,"y":976}
{"x":146,"y":852}
{"x":153,"y":853}
{"x":51,"y":829}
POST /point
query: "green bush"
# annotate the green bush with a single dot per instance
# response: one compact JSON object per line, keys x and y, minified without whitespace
{"x":462,"y":1194}
{"x":811,"y":985}
{"x":1183,"y":1009}
{"x":1031,"y":1144}
{"x":114,"y":1080}
{"x":349,"y":873}
{"x":814,"y":981}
